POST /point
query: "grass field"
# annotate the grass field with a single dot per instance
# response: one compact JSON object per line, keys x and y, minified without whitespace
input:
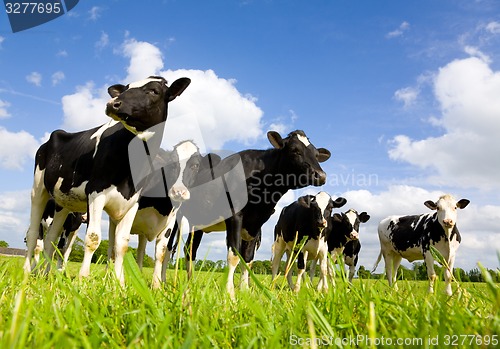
{"x":61,"y":311}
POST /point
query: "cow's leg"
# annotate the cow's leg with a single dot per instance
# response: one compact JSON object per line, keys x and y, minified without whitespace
{"x":388,"y":260}
{"x":66,"y":249}
{"x":323,"y":282}
{"x":54,"y":233}
{"x":248,"y":249}
{"x":233,"y":226}
{"x":448,"y":274}
{"x":111,"y":241}
{"x":122,"y":237}
{"x":38,"y":247}
{"x":141,"y":250}
{"x":301,"y":267}
{"x":278,"y":249}
{"x":312,"y":269}
{"x":171,"y":246}
{"x":39,"y":199}
{"x":396,"y":261}
{"x":429,"y":263}
{"x":352,"y":271}
{"x":160,"y":252}
{"x":93,"y":234}
{"x":192,"y":245}
{"x":289,"y":277}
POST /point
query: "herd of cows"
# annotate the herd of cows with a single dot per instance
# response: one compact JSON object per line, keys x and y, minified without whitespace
{"x":79,"y":175}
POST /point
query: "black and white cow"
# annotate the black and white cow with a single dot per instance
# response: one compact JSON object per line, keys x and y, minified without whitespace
{"x":411,"y":237}
{"x":293,"y":163}
{"x":156,"y":216}
{"x":91,"y":170}
{"x":70,"y":226}
{"x":307,"y":219}
{"x":343,"y":228}
{"x":351,"y":256}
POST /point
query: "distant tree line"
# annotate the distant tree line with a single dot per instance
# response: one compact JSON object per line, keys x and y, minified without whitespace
{"x":417,"y":272}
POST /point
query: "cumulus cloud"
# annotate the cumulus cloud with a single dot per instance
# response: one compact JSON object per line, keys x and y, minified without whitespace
{"x":403,"y":27}
{"x":145,"y":59}
{"x":57,"y":77}
{"x":34,"y":78}
{"x":16,"y":148}
{"x":95,"y":13}
{"x":493,"y":27}
{"x":3,"y":109}
{"x":467,"y":91}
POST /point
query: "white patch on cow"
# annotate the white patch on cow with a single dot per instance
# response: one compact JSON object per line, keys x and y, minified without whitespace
{"x":141,"y":83}
{"x":98,"y":134}
{"x":116,"y":205}
{"x":142,"y":135}
{"x":352,"y":216}
{"x":185,"y":150}
{"x":304,"y":140}
{"x":323,"y":198}
{"x":75,"y":200}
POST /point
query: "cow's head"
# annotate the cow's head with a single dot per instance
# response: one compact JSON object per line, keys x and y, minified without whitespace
{"x":182,"y":166}
{"x":349,"y":223}
{"x":143,"y":104}
{"x":321,"y":206}
{"x":300,"y":159}
{"x":446,"y":208}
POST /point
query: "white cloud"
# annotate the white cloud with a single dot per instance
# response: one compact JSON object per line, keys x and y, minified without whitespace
{"x":34,"y":78}
{"x":62,"y":53}
{"x":16,"y":148}
{"x":95,"y":13}
{"x":467,"y":91}
{"x":145,"y":59}
{"x":475,"y":52}
{"x":493,"y":27}
{"x":57,"y":77}
{"x":399,"y":31}
{"x":85,"y":108}
{"x":407,"y":95}
{"x":103,"y":41}
{"x":3,"y":109}
{"x":2,"y":39}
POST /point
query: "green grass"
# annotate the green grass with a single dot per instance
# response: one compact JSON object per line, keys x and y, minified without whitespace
{"x":61,"y":311}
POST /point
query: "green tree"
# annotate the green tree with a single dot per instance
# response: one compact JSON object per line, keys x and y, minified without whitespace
{"x":4,"y":243}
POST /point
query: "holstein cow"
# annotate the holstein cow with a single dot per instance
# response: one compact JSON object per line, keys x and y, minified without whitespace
{"x":351,"y":256}
{"x":307,"y":219}
{"x":70,"y":226}
{"x":343,"y":228}
{"x":91,"y":170}
{"x":267,"y":176}
{"x":411,"y":237}
{"x":156,"y":216}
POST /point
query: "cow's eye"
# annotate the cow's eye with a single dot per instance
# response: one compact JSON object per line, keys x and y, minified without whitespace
{"x":154,"y":92}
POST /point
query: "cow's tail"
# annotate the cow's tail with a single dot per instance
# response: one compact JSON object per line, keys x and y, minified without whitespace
{"x":377,"y":262}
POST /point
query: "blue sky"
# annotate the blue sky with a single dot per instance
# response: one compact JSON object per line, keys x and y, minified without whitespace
{"x":404,"y":95}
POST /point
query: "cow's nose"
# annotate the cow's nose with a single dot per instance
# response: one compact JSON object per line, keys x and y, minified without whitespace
{"x":319,"y":177}
{"x":322,"y":223}
{"x":354,"y":235}
{"x":179,"y":194}
{"x":117,"y":105}
{"x":448,"y":222}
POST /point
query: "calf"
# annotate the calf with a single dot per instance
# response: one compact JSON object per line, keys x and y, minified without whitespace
{"x":343,"y":228}
{"x":411,"y":237}
{"x":351,"y":254}
{"x":305,"y":218}
{"x":90,"y":170}
{"x":266,"y":176}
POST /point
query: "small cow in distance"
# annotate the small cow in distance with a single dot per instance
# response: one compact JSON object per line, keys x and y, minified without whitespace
{"x":306,"y":218}
{"x":351,"y":256}
{"x":91,"y":170}
{"x":343,"y":228}
{"x":411,"y":237}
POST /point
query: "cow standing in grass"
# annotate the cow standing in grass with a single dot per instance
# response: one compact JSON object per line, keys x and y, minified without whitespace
{"x":411,"y":237}
{"x":91,"y":170}
{"x":307,"y":218}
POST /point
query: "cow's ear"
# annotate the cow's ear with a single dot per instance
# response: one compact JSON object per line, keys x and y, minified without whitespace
{"x":305,"y":200}
{"x":210,"y":160}
{"x":462,"y":203}
{"x":116,"y":90}
{"x":431,"y":204}
{"x":177,"y":87}
{"x":324,"y":154}
{"x":337,"y":217}
{"x":364,"y":217}
{"x":275,"y":139}
{"x":339,"y":202}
